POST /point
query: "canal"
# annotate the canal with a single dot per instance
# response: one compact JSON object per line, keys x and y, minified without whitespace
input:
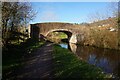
{"x":106,"y":59}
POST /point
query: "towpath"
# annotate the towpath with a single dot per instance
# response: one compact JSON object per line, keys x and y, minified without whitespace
{"x":39,"y":66}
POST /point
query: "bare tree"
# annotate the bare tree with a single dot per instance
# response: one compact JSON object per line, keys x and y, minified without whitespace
{"x":96,"y":16}
{"x":113,"y":7}
{"x":111,"y":10}
{"x":14,"y":14}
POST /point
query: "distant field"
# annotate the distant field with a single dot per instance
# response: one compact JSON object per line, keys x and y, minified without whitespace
{"x":57,"y":36}
{"x":62,"y":35}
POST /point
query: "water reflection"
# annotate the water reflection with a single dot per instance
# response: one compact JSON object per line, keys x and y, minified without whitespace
{"x":107,"y":60}
{"x":64,"y":45}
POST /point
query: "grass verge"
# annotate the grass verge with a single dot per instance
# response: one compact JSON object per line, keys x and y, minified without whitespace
{"x":67,"y":65}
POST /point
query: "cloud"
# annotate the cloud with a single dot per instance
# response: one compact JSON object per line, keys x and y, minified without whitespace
{"x":46,"y":13}
{"x":49,"y":16}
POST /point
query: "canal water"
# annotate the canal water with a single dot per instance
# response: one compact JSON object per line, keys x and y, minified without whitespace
{"x":108,"y":60}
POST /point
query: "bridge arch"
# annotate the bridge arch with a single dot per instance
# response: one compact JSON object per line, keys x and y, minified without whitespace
{"x":66,"y":31}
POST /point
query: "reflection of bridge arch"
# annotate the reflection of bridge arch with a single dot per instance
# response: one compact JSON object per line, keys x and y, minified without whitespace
{"x":66,"y":31}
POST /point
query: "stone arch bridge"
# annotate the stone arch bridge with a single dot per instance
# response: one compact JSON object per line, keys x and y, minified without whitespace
{"x":71,"y":30}
{"x":78,"y":34}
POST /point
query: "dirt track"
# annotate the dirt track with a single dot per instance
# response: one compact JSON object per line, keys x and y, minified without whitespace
{"x":38,"y":66}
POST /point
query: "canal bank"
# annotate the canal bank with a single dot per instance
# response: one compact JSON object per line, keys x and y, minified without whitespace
{"x":67,"y":65}
{"x":106,"y":59}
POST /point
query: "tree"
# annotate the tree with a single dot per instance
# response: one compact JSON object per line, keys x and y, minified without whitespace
{"x":111,"y":10}
{"x":113,"y":7}
{"x":14,"y":15}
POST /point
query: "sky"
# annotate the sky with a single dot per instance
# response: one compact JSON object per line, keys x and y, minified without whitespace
{"x":71,"y":12}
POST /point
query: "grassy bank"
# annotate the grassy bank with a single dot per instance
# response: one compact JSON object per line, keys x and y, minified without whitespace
{"x":14,"y":55}
{"x":67,"y":65}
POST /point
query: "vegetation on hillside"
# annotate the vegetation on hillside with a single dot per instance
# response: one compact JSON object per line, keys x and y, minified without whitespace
{"x":103,"y":33}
